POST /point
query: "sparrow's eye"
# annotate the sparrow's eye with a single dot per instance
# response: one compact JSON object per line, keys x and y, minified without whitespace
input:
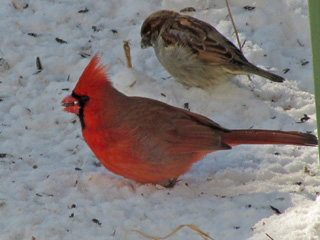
{"x":146,"y":35}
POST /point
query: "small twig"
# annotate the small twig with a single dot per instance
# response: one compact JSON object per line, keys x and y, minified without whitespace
{"x":126,"y":48}
{"x":205,"y":236}
{"x":59,"y":40}
{"x":269,"y":236}
{"x":234,"y":26}
{"x":236,"y":32}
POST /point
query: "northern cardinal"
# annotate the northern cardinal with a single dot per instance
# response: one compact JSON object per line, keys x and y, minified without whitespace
{"x":194,"y":52}
{"x":150,"y":141}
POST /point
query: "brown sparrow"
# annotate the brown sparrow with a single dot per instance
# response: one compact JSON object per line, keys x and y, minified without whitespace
{"x":194,"y":52}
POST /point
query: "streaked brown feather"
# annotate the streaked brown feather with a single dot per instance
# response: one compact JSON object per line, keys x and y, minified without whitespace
{"x":211,"y":46}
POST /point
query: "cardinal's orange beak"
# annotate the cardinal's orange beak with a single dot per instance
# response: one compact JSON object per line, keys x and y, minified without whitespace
{"x":71,"y":104}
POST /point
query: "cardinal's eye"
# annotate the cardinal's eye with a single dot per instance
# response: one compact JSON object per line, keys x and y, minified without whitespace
{"x":82,"y":99}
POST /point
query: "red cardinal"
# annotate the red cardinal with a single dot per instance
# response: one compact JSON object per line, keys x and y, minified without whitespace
{"x":150,"y":141}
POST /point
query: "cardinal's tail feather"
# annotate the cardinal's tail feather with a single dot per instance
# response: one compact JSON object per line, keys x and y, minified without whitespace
{"x":253,"y":136}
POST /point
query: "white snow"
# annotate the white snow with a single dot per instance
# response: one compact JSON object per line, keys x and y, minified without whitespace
{"x":51,"y":186}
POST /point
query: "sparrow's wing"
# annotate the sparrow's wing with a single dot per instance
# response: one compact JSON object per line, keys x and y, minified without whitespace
{"x":203,"y":40}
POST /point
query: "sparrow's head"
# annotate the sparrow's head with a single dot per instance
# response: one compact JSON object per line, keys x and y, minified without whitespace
{"x":151,"y":27}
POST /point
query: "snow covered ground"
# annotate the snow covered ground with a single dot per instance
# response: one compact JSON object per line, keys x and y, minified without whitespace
{"x":51,"y":185}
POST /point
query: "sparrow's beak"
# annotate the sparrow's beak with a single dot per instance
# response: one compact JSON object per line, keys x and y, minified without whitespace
{"x":145,"y":41}
{"x":71,"y":104}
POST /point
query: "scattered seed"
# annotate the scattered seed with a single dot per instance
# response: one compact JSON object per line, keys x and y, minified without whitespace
{"x":97,"y":28}
{"x":286,"y":70}
{"x":73,"y":206}
{"x":84,"y":10}
{"x":276,"y":210}
{"x":188,"y":9}
{"x":114,"y":31}
{"x":44,"y":194}
{"x":37,"y":72}
{"x":163,"y":95}
{"x":78,"y":169}
{"x":186,"y":106}
{"x":298,"y":183}
{"x":308,"y":171}
{"x":3,"y":155}
{"x":35,"y":166}
{"x":300,"y":44}
{"x":38,"y":64}
{"x":304,"y":62}
{"x":59,"y":40}
{"x":33,"y":35}
{"x":65,"y":89}
{"x":72,"y":215}
{"x":97,"y":164}
{"x":304,"y":118}
{"x":248,"y":8}
{"x":84,"y":54}
{"x":96,"y":221}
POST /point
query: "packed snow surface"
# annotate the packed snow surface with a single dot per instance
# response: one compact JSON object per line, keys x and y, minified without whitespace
{"x":51,"y":184}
